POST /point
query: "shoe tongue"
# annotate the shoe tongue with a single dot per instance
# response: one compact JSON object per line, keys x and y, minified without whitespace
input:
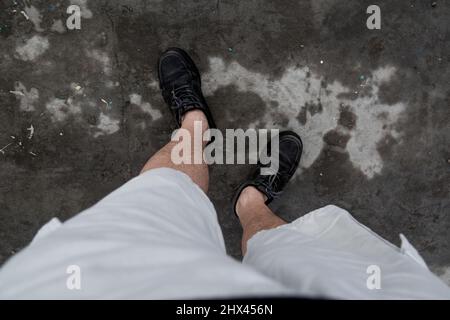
{"x":176,"y":72}
{"x":179,"y":79}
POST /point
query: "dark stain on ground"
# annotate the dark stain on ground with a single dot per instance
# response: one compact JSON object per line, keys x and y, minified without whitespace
{"x":336,"y":139}
{"x":311,"y":108}
{"x":280,"y":120}
{"x":231,"y":107}
{"x":347,"y":118}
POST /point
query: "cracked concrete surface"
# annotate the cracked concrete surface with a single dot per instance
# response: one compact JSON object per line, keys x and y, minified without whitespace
{"x":372,"y":106}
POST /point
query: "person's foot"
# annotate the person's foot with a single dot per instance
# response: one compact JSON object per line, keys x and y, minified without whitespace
{"x":271,"y":186}
{"x":180,"y":82}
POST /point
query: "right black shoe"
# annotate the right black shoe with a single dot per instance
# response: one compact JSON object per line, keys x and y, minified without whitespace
{"x":290,"y":152}
{"x":180,"y":82}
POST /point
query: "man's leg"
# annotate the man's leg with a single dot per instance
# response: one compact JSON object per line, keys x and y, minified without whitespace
{"x":180,"y":84}
{"x":162,"y":159}
{"x":255,"y":215}
{"x":250,"y":203}
{"x":325,"y":253}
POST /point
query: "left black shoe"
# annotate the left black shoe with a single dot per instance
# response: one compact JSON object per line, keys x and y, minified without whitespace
{"x":290,"y":152}
{"x":180,"y":82}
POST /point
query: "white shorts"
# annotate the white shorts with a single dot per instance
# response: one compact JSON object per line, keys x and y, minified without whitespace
{"x":157,"y":237}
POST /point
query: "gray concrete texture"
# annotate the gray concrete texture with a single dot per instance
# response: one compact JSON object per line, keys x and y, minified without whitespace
{"x":81,"y":111}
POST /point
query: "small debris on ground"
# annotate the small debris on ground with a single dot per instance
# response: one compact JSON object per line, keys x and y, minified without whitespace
{"x":25,"y":15}
{"x":434,"y":4}
{"x":2,"y":150}
{"x":230,"y":49}
{"x":108,"y":104}
{"x":18,"y":93}
{"x":363,"y":80}
{"x":33,"y":154}
{"x":321,"y":61}
{"x":31,"y":134}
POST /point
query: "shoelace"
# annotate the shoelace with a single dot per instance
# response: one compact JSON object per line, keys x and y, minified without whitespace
{"x":271,"y":185}
{"x":183,"y":96}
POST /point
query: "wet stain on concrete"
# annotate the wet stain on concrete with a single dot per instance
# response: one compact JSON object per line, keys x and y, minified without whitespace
{"x":311,"y":108}
{"x":347,"y":118}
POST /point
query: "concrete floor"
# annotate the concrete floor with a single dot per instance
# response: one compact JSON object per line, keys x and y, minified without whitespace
{"x":372,"y":106}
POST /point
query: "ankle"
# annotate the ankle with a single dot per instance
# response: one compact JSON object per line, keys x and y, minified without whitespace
{"x":249,"y":198}
{"x":192,"y":116}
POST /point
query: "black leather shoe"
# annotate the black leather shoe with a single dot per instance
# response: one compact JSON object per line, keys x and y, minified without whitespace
{"x":290,"y":152}
{"x":180,"y":82}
